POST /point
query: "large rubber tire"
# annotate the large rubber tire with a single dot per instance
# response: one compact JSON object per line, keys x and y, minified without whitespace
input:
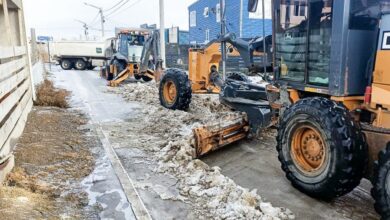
{"x":381,"y":182}
{"x":146,"y":78}
{"x":238,"y":77}
{"x":66,"y":64}
{"x":137,"y":77}
{"x":344,"y":149}
{"x":80,"y":64}
{"x":182,"y":86}
{"x":120,"y":66}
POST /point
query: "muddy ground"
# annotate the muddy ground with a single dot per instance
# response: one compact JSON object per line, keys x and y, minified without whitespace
{"x":52,"y":158}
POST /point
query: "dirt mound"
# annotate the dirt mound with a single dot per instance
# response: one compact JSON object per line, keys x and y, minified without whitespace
{"x":168,"y":135}
{"x":48,"y":95}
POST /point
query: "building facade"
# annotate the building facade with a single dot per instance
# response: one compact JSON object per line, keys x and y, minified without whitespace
{"x":204,"y":20}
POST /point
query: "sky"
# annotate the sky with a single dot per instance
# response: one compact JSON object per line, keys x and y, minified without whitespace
{"x":57,"y":18}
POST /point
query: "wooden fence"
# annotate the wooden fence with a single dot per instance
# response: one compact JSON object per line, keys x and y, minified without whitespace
{"x":15,"y":80}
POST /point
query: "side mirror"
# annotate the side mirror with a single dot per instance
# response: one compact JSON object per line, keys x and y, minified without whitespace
{"x":252,"y":5}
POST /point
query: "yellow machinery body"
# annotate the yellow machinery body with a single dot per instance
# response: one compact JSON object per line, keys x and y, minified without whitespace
{"x":202,"y":63}
{"x":132,"y":70}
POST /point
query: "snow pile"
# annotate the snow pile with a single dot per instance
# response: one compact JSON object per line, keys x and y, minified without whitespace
{"x":215,"y":195}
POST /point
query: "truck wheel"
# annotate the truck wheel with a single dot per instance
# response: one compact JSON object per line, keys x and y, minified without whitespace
{"x":146,"y":78}
{"x":175,"y":90}
{"x":66,"y":64}
{"x":381,"y":190}
{"x":80,"y":64}
{"x":320,"y":148}
{"x":120,"y":66}
{"x":238,"y":77}
{"x":137,"y":77}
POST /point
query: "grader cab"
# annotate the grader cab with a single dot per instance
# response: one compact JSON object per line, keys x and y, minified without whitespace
{"x":136,"y":54}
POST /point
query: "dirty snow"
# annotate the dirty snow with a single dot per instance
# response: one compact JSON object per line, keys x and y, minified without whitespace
{"x":167,"y":136}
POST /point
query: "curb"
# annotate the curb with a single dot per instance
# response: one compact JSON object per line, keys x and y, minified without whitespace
{"x":131,"y":192}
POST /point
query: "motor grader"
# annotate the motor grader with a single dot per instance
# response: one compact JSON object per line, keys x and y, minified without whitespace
{"x":136,"y":54}
{"x":329,"y":97}
{"x":176,"y":87}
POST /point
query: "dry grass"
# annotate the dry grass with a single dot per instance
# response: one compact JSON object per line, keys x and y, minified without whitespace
{"x":52,"y":157}
{"x":48,"y":95}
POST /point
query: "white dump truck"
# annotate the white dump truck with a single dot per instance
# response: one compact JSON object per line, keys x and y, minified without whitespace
{"x":81,"y":55}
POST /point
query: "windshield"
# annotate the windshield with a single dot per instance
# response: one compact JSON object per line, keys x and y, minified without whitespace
{"x":137,"y":40}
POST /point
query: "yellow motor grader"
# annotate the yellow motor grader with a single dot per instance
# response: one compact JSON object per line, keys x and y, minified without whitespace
{"x":330,"y":97}
{"x":136,"y":53}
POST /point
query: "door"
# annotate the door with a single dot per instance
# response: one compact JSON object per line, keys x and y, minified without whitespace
{"x":291,"y":39}
{"x":303,"y":31}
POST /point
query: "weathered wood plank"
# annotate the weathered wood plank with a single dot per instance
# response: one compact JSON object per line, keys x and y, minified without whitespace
{"x":9,"y":84}
{"x":11,"y":100}
{"x":9,"y":125}
{"x":18,"y":3}
{"x":20,"y":118}
{"x":7,"y":69}
{"x":6,"y":52}
{"x":7,"y":23}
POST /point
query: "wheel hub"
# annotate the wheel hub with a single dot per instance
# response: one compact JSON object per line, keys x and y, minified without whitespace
{"x":308,"y":150}
{"x":170,"y":92}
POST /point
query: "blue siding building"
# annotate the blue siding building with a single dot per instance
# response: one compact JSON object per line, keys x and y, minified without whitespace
{"x":204,"y":20}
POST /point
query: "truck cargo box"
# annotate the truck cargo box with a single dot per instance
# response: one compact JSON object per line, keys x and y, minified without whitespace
{"x":92,"y":49}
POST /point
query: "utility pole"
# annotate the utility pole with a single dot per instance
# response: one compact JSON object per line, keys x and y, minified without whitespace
{"x":223,"y":33}
{"x":162,"y":33}
{"x":265,"y":58}
{"x":102,"y":19}
{"x":85,"y":26}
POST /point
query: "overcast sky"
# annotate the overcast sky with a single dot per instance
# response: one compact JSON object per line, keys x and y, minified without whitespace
{"x":57,"y":17}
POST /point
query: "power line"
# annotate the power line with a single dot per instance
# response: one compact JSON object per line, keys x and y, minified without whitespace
{"x":114,"y":6}
{"x":118,"y":8}
{"x":94,"y":20}
{"x":125,"y":9}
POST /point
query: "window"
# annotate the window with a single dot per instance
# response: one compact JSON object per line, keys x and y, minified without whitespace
{"x":296,"y":8}
{"x":299,"y":8}
{"x":207,"y":36}
{"x":259,"y":12}
{"x":386,"y":41}
{"x":218,"y":12}
{"x":320,"y":34}
{"x":193,"y":19}
{"x":206,"y":12}
{"x":297,"y":27}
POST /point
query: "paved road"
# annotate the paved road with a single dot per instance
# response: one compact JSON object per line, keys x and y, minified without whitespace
{"x":250,"y":164}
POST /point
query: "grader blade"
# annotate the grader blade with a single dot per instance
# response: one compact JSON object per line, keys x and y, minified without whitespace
{"x":213,"y":137}
{"x":122,"y":76}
